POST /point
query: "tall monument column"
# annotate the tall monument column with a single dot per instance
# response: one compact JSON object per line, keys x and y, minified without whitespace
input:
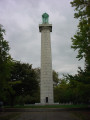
{"x":46,"y":82}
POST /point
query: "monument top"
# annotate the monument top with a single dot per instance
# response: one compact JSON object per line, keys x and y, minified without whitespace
{"x":45,"y":17}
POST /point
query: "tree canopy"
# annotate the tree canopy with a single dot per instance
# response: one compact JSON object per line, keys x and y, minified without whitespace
{"x":19,"y":82}
{"x":77,"y":89}
{"x":81,"y":40}
{"x":5,"y":63}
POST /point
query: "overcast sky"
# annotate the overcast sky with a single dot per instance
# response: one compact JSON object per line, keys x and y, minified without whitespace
{"x":21,"y":19}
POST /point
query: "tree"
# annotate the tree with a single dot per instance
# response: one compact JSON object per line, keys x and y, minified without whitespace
{"x":81,"y":41}
{"x":5,"y":63}
{"x":80,"y":87}
{"x":55,"y":77}
{"x":63,"y":92}
{"x":24,"y":82}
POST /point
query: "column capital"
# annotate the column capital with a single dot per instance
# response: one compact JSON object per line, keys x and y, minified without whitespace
{"x":45,"y":26}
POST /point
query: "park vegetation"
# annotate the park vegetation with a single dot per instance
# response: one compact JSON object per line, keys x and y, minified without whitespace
{"x":20,"y":83}
{"x":76,"y":88}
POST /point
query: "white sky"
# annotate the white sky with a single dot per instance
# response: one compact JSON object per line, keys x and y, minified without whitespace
{"x":21,"y":19}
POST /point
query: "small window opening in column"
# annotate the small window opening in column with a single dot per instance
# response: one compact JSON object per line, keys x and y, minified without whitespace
{"x":46,"y":99}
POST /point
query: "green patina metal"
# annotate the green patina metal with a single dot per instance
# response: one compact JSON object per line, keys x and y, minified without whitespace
{"x":45,"y":17}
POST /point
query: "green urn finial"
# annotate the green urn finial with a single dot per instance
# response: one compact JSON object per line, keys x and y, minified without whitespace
{"x":45,"y":17}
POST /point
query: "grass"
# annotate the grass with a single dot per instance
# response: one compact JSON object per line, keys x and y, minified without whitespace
{"x":9,"y":116}
{"x":50,"y":106}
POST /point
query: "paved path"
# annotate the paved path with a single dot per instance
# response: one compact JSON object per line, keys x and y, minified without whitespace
{"x":61,"y":115}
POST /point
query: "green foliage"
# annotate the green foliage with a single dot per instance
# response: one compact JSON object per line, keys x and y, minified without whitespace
{"x":81,"y":41}
{"x":76,"y":88}
{"x":80,"y":85}
{"x":24,"y":81}
{"x":5,"y":64}
{"x":63,"y":92}
{"x":29,"y":99}
{"x":73,"y":89}
{"x":19,"y":100}
{"x":55,"y":76}
{"x":51,"y":106}
{"x":4,"y":55}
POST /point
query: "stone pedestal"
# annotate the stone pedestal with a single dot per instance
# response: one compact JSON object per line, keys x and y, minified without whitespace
{"x":46,"y":83}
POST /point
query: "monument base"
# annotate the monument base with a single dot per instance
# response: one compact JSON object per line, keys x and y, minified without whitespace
{"x":46,"y":103}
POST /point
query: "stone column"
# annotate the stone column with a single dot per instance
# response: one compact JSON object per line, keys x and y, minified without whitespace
{"x":46,"y":83}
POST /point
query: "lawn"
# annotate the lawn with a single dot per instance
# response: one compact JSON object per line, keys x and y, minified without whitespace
{"x":49,"y":106}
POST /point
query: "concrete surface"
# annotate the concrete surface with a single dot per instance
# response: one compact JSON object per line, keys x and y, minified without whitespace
{"x":62,"y":115}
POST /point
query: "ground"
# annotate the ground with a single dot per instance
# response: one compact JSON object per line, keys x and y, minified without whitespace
{"x":45,"y":114}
